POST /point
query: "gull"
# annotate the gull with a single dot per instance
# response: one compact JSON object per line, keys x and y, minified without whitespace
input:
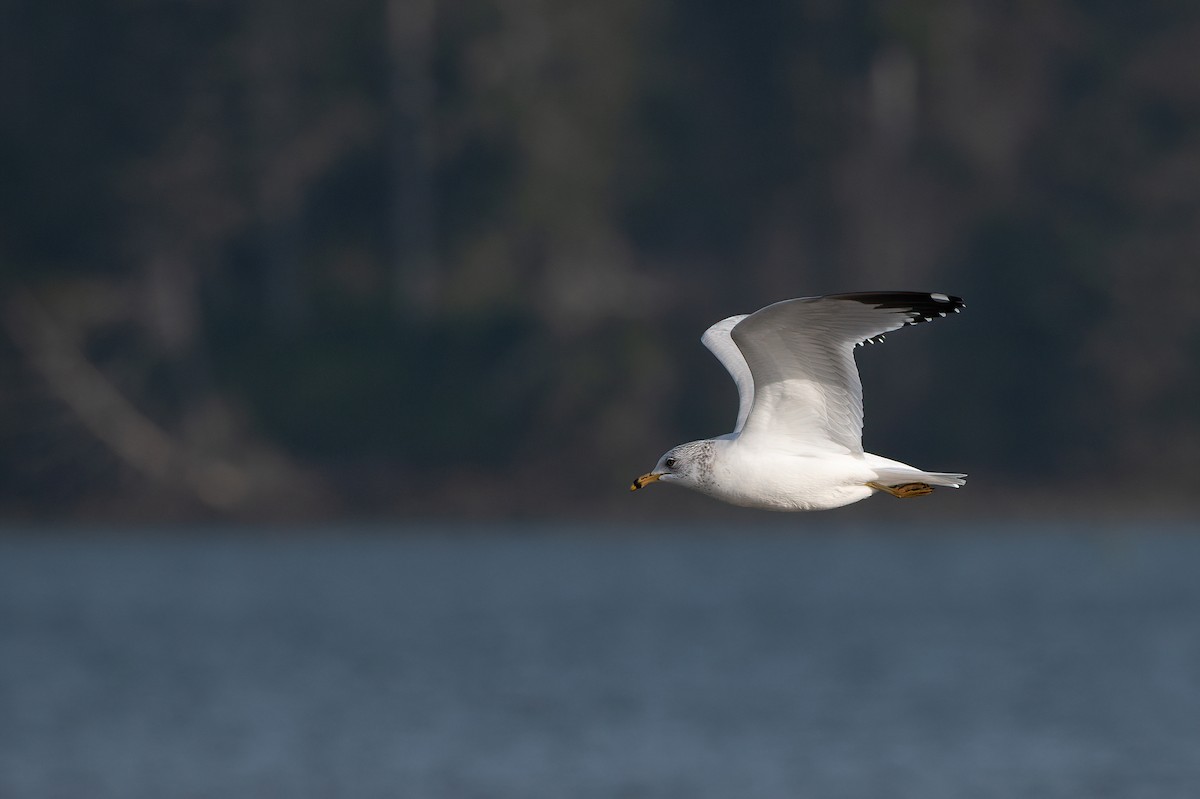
{"x":797,"y":443}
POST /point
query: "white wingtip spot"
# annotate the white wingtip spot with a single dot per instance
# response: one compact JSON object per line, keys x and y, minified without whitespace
{"x":939,"y":297}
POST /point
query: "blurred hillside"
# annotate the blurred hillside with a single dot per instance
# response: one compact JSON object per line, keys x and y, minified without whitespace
{"x":274,"y":259}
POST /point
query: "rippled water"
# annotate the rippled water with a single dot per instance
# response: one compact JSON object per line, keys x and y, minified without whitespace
{"x":591,"y":662}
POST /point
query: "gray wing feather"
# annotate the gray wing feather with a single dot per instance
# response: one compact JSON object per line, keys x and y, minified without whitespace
{"x":806,"y":393}
{"x":719,"y":343}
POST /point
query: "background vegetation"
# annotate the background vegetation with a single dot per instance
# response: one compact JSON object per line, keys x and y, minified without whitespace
{"x":280,"y":258}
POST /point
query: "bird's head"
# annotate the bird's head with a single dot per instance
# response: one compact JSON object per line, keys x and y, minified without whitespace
{"x":687,"y":464}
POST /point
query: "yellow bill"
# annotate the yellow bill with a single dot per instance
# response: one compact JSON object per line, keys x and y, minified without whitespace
{"x":644,"y":480}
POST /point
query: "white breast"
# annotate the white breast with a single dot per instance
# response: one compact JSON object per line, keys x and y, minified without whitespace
{"x":779,"y":480}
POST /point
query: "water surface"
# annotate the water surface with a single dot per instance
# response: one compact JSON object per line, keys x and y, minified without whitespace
{"x":590,"y":662}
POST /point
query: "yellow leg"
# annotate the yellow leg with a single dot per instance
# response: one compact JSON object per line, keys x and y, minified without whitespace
{"x":904,"y":490}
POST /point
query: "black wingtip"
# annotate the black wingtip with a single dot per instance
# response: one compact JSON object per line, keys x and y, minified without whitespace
{"x":920,"y":306}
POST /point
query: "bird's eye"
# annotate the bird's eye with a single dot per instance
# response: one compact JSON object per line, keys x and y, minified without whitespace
{"x":669,"y":463}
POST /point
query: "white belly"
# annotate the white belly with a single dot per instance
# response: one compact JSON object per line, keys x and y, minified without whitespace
{"x":779,"y":481}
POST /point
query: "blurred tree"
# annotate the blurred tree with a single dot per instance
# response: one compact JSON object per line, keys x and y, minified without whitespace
{"x":388,"y":253}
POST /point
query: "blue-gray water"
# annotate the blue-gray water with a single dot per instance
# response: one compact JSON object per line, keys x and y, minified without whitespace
{"x":583,"y":662}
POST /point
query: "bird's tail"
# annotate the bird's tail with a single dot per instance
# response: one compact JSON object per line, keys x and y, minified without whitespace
{"x":895,"y":476}
{"x":951,"y":479}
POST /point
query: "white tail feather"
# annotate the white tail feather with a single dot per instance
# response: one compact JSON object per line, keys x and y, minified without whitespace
{"x":894,"y":476}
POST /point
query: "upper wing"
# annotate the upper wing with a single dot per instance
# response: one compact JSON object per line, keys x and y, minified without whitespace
{"x":806,"y":392}
{"x":717,"y":339}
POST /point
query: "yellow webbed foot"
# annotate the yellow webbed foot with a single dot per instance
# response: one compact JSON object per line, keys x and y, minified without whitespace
{"x":904,"y":490}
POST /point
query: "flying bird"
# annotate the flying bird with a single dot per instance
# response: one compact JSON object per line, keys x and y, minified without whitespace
{"x":797,"y":443}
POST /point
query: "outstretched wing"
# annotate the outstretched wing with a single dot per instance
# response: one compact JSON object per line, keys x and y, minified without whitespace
{"x":717,"y":339}
{"x":806,"y":394}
